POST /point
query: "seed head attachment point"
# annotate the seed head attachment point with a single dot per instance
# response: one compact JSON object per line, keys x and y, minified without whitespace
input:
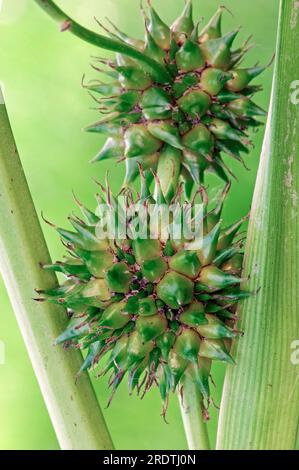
{"x":223,"y":7}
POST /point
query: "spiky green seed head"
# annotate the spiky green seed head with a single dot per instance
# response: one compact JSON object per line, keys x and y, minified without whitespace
{"x":202,"y":112}
{"x":160,"y":306}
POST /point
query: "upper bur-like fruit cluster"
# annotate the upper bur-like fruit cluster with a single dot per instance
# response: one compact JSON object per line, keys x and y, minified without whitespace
{"x":180,"y":126}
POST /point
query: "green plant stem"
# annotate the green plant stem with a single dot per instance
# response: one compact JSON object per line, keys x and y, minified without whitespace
{"x":192,"y":414}
{"x":260,"y":404}
{"x":68,"y":24}
{"x":73,"y":408}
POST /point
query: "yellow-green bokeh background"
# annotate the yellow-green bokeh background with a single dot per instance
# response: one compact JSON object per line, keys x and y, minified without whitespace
{"x":41,"y":70}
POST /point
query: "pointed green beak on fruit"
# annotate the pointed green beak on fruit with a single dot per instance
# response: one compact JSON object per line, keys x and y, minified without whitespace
{"x":172,"y":106}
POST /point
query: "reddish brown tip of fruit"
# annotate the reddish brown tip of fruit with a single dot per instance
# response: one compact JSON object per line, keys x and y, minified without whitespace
{"x":65,"y":26}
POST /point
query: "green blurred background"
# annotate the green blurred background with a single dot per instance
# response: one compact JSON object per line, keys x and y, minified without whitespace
{"x":41,"y":70}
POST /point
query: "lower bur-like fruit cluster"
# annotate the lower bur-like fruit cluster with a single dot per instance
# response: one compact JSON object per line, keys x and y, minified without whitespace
{"x":155,"y":308}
